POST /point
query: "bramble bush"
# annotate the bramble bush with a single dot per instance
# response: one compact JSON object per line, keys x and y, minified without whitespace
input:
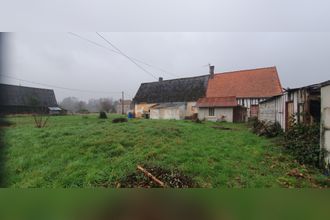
{"x":303,"y":142}
{"x":265,"y":128}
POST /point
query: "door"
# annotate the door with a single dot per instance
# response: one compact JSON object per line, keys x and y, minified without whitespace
{"x":254,"y":110}
{"x":289,"y":114}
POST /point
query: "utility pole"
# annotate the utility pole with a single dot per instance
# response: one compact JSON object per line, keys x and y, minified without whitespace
{"x":122,"y":102}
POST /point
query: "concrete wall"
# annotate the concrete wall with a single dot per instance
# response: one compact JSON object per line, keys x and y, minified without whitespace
{"x":141,"y":107}
{"x":219,"y":113}
{"x":325,"y":120}
{"x":191,"y":109}
{"x":187,"y":109}
{"x":177,"y":113}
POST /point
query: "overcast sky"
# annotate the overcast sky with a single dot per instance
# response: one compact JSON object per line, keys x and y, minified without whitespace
{"x":292,"y":35}
{"x":64,"y":60}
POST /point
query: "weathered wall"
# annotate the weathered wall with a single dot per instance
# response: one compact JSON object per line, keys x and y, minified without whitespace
{"x":273,"y":110}
{"x":140,"y":108}
{"x":247,"y":102}
{"x":325,"y":120}
{"x":168,"y":113}
{"x":203,"y":113}
{"x":191,"y":109}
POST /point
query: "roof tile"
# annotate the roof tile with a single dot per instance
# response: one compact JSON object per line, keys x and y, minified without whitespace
{"x":256,"y":83}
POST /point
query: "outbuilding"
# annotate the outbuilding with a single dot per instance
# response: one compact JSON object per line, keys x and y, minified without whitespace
{"x":221,"y":109}
{"x":301,"y":105}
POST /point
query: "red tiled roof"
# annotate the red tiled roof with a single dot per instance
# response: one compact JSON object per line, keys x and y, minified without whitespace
{"x":217,"y":102}
{"x":256,"y":83}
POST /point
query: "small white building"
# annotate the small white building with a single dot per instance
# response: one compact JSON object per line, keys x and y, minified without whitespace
{"x":221,"y":109}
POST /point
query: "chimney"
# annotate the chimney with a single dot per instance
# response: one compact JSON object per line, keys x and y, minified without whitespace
{"x":211,"y":71}
{"x":160,"y":79}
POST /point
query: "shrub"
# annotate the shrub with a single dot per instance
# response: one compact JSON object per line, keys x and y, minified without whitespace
{"x":303,"y":142}
{"x":103,"y":115}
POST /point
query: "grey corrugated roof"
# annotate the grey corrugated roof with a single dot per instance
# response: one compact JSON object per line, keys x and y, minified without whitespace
{"x":175,"y":90}
{"x":168,"y":105}
{"x":11,"y":95}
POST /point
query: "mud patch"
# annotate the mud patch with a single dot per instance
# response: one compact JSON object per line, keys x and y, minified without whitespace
{"x":171,"y":179}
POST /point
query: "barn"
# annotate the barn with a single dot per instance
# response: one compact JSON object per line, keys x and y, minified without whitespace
{"x":20,"y":99}
{"x":170,"y":99}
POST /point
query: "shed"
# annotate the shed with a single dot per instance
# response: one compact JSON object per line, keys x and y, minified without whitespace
{"x":302,"y":105}
{"x":55,"y":110}
{"x":220,"y":109}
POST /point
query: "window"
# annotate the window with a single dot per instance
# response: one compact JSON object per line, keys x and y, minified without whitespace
{"x":211,"y":111}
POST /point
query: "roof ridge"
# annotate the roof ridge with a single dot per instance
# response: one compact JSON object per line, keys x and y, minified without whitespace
{"x":245,"y":70}
{"x":191,"y":77}
{"x":4,"y":84}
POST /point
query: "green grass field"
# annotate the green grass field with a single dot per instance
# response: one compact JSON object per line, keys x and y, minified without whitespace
{"x":84,"y":151}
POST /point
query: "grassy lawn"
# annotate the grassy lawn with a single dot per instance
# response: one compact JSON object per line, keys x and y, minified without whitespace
{"x":84,"y":151}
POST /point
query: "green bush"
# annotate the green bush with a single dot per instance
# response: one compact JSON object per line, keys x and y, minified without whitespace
{"x":303,"y":142}
{"x":103,"y":115}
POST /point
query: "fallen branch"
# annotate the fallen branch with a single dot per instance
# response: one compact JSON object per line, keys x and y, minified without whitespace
{"x":160,"y":183}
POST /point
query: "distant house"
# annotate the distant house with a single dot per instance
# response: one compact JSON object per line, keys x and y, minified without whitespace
{"x":21,"y":99}
{"x":170,"y":99}
{"x":124,"y":106}
{"x":250,"y":87}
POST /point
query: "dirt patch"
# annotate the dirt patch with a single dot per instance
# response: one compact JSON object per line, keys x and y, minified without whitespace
{"x":171,"y":179}
{"x":219,"y":127}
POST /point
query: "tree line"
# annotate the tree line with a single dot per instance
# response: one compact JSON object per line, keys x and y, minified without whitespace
{"x":73,"y":104}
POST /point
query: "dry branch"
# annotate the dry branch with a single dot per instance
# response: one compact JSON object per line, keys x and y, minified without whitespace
{"x":160,"y":183}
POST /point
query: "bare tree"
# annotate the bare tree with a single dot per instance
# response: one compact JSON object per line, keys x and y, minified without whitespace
{"x":70,"y":104}
{"x":81,"y":107}
{"x":40,"y":112}
{"x":106,"y":104}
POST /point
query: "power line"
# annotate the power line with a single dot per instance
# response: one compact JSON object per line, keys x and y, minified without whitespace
{"x":122,"y":53}
{"x":57,"y":87}
{"x":117,"y":52}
